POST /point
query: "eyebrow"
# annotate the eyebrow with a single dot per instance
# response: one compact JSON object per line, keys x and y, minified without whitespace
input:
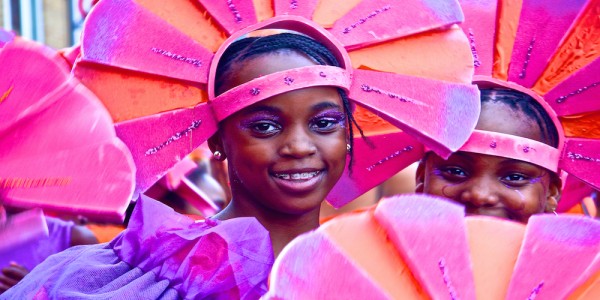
{"x":270,"y":109}
{"x":511,"y":161}
{"x":325,"y":105}
{"x":460,"y":155}
{"x":261,"y":108}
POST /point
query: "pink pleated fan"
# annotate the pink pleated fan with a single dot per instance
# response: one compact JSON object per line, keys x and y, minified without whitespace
{"x":60,"y":149}
{"x":422,"y":247}
{"x":150,"y":63}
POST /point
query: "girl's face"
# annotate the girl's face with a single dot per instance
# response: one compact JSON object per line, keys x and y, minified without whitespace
{"x":287,"y":152}
{"x":493,"y":185}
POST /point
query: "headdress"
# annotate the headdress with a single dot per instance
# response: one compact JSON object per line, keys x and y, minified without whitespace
{"x":153,"y":64}
{"x":548,"y":50}
{"x":59,"y":146}
{"x":423,"y":247}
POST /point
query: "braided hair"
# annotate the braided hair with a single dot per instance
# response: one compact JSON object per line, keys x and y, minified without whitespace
{"x":246,"y":48}
{"x":524,"y":103}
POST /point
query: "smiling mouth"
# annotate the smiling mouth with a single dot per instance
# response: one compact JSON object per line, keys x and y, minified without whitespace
{"x":297,"y":182}
{"x":297,"y":176}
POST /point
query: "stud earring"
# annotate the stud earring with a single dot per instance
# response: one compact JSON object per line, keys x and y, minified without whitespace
{"x":348,"y":147}
{"x":218,"y":155}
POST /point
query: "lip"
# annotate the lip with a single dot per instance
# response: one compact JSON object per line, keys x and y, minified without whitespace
{"x":298,"y":181}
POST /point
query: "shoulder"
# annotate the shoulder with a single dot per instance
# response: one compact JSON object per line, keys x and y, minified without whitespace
{"x":81,"y":235}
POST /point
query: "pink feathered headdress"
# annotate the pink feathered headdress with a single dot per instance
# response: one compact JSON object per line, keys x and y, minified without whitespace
{"x":548,"y":50}
{"x":153,"y":63}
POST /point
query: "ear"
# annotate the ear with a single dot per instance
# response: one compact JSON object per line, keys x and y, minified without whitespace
{"x":215,"y":143}
{"x":554,"y":192}
{"x":420,"y":176}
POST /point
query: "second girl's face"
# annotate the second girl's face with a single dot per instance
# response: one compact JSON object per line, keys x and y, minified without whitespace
{"x":493,"y":185}
{"x":287,"y":152}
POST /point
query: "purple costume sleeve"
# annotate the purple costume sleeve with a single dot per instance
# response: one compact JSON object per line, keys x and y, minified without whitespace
{"x":34,"y":252}
{"x":161,"y":255}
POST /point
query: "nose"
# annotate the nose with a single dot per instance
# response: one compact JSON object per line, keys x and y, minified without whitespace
{"x":480,"y":192}
{"x":297,"y":143}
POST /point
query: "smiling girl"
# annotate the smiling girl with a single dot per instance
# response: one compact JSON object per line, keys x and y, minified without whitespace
{"x":291,"y":146}
{"x":495,"y":185}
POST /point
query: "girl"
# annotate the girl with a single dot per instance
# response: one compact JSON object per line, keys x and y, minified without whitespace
{"x":495,"y":185}
{"x":285,"y":154}
{"x":291,"y":146}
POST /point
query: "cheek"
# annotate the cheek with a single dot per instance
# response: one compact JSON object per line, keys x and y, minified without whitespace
{"x":528,"y":201}
{"x":334,"y":151}
{"x":435,"y":185}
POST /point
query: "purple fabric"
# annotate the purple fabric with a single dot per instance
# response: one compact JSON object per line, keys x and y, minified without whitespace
{"x":161,"y":255}
{"x":34,"y":252}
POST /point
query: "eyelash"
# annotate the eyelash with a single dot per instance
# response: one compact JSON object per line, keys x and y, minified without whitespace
{"x":332,"y":124}
{"x":274,"y":126}
{"x":451,"y":173}
{"x":457,"y":174}
{"x":521,"y":181}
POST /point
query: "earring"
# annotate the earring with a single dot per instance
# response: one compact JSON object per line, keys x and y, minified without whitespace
{"x":218,"y":155}
{"x":348,"y":147}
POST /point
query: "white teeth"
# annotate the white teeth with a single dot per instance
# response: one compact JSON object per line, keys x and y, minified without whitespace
{"x":296,"y":176}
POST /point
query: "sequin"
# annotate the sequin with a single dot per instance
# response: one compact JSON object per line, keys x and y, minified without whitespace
{"x":527,"y":57}
{"x":288,"y":80}
{"x":294,"y":4}
{"x":369,"y":89}
{"x":176,"y":136}
{"x":562,"y":99}
{"x":236,"y":14}
{"x":389,"y":157}
{"x":577,"y":156}
{"x":192,"y":61}
{"x":446,"y":278}
{"x":535,"y":291}
{"x":254,"y":91}
{"x":476,"y":61}
{"x":526,"y":149}
{"x":363,"y":20}
{"x":493,"y":144}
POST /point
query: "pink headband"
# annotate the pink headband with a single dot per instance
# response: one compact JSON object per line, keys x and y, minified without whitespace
{"x":438,"y":110}
{"x":538,"y":57}
{"x":505,"y":145}
{"x":277,"y":83}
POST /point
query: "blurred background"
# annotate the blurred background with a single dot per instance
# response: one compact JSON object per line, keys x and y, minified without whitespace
{"x":56,"y":23}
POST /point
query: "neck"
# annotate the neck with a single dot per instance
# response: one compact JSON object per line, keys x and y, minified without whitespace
{"x":282,"y":227}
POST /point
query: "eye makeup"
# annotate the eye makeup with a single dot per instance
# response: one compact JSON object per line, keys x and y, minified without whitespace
{"x":256,"y":117}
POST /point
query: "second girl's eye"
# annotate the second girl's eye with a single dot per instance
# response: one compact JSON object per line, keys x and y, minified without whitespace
{"x":455,"y":171}
{"x":452,"y":173}
{"x":515,"y":179}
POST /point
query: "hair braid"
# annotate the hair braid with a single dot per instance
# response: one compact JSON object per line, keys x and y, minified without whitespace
{"x":522,"y":102}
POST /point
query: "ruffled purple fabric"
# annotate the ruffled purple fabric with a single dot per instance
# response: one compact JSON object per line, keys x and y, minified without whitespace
{"x":32,"y":253}
{"x":161,"y":255}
